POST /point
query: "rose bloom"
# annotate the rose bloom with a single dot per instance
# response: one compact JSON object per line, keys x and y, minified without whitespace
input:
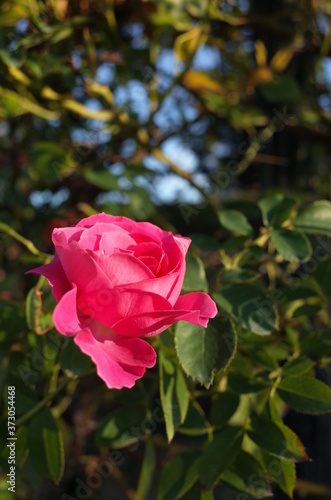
{"x":116,"y":282}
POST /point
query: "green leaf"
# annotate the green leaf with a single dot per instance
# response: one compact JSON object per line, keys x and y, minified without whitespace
{"x":238,"y":275}
{"x":73,"y":360}
{"x":292,"y":245}
{"x":223,"y":407}
{"x":246,"y":475}
{"x":305,"y":394}
{"x":306,"y":310}
{"x":33,"y":307}
{"x":263,"y":359}
{"x":204,"y":241}
{"x":49,"y":162}
{"x":101,"y":178}
{"x":201,"y":351}
{"x":205,"y":495}
{"x":140,"y":207}
{"x":280,"y":471}
{"x":315,"y":219}
{"x":25,"y":397}
{"x":21,"y":444}
{"x":179,"y":475}
{"x":45,"y":445}
{"x":119,"y":429}
{"x":235,"y":221}
{"x":195,"y":276}
{"x":298,"y":366}
{"x":244,"y":385}
{"x":249,"y":306}
{"x":173,"y":392}
{"x":277,"y":439}
{"x":276,"y":209}
{"x":219,"y":454}
{"x":195,"y":422}
{"x":147,"y":471}
{"x":281,"y":89}
{"x":325,"y":336}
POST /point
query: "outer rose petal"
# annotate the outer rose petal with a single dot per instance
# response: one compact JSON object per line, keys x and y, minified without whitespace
{"x":119,"y":362}
{"x":65,"y":316}
{"x":198,"y":301}
{"x":55,"y":276}
{"x":183,"y":241}
{"x":196,"y":308}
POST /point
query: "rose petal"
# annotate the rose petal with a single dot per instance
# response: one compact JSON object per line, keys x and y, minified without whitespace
{"x":65,"y":316}
{"x":183,"y":241}
{"x":198,"y":301}
{"x":94,"y":219}
{"x":196,"y":308}
{"x":55,"y":275}
{"x":176,"y":251}
{"x":143,"y":228}
{"x":79,"y":267}
{"x":163,"y":286}
{"x":119,"y":363}
{"x":122,"y":269}
{"x":108,"y":306}
{"x":67,"y":234}
{"x":115,"y":239}
{"x":153,"y":322}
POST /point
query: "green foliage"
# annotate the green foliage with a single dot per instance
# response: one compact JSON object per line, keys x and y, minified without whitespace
{"x":235,"y":221}
{"x":173,"y":392}
{"x":246,"y":475}
{"x":247,"y":304}
{"x":73,"y":361}
{"x":45,"y":445}
{"x":291,"y":244}
{"x":305,"y":394}
{"x":203,"y":352}
{"x":315,"y":219}
{"x":195,"y":277}
{"x":115,"y":431}
{"x":179,"y":475}
{"x":219,"y":454}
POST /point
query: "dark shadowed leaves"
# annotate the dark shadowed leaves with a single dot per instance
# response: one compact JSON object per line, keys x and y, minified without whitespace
{"x":179,"y":475}
{"x":219,"y":454}
{"x":246,"y":474}
{"x":305,"y":394}
{"x":45,"y":445}
{"x":173,"y":392}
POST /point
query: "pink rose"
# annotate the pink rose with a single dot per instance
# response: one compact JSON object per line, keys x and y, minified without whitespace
{"x":116,"y":280}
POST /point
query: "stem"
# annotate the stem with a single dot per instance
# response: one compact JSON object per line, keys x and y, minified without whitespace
{"x":4,"y":228}
{"x":41,"y":404}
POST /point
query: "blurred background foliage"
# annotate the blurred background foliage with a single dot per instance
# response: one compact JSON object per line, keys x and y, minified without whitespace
{"x":178,"y":112}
